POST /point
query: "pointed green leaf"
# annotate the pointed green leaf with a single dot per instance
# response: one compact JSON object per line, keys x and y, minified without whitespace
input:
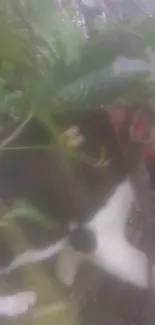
{"x":105,"y":84}
{"x":24,"y":209}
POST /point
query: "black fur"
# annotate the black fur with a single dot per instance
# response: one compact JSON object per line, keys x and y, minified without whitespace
{"x":38,"y":175}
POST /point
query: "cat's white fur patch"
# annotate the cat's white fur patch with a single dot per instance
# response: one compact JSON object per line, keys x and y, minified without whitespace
{"x":114,"y":253}
{"x":33,"y":256}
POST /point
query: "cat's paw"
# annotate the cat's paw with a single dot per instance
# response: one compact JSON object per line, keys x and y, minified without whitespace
{"x":17,"y":304}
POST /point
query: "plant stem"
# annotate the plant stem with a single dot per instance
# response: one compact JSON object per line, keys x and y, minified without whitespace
{"x":26,"y":148}
{"x":15,"y":133}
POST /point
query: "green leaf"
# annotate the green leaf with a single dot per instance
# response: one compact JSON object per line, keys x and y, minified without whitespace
{"x":24,"y":209}
{"x":13,"y":104}
{"x":14,"y":45}
{"x":105,"y":84}
{"x":147,"y":30}
{"x":58,"y":32}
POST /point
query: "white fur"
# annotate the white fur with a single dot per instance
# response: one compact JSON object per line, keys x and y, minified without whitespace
{"x":17,"y":304}
{"x":114,"y":253}
{"x":33,"y":256}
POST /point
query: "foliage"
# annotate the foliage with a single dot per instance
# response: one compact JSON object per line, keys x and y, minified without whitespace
{"x":47,"y":65}
{"x":24,"y":209}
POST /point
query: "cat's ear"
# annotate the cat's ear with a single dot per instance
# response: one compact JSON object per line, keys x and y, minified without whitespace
{"x":67,"y":265}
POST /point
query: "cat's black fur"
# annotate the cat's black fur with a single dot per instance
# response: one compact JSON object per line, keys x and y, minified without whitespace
{"x":38,"y":177}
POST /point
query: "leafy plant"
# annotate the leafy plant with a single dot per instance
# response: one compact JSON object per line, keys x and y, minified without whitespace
{"x":48,"y":66}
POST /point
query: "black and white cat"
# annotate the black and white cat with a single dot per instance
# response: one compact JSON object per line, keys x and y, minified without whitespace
{"x":95,"y":216}
{"x":111,"y":250}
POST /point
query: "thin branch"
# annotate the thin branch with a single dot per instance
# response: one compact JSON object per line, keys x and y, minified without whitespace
{"x":50,"y":309}
{"x":74,"y":154}
{"x":15,"y":133}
